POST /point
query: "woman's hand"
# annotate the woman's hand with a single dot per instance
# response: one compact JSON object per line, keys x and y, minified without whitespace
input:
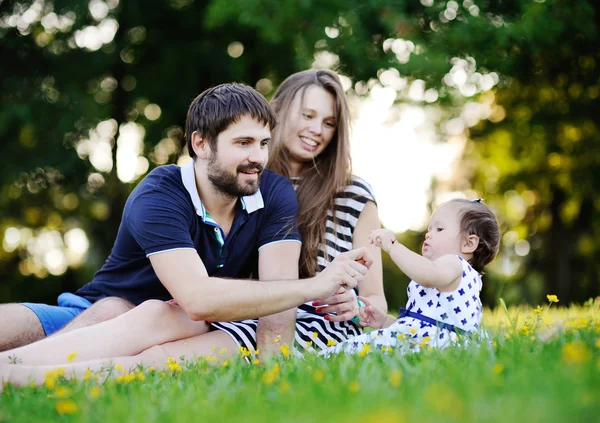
{"x":343,"y":303}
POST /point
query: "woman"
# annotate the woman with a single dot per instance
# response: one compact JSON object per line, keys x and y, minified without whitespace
{"x":336,"y":213}
{"x":336,"y":210}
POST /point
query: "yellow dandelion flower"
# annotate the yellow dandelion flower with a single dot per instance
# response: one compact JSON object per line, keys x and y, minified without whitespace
{"x":413,"y":330}
{"x":175,"y":367}
{"x":285,"y":350}
{"x":71,"y":357}
{"x":538,"y":310}
{"x":150,"y":369}
{"x":354,"y":387}
{"x":170,"y":360}
{"x":277,"y":339}
{"x":256,"y":361}
{"x":50,"y":383}
{"x":88,"y":375}
{"x":66,"y":407}
{"x":425,"y":340}
{"x":315,"y":335}
{"x":308,"y":344}
{"x":395,"y":378}
{"x":120,"y":379}
{"x":225,"y":363}
{"x":319,"y":375}
{"x":222,"y":351}
{"x":95,"y":392}
{"x":365,"y":349}
{"x":271,"y":375}
{"x":62,"y":392}
{"x":576,"y":353}
{"x":129,"y":377}
{"x":552,"y":298}
{"x":140,"y":376}
{"x":120,"y":368}
{"x":401,"y":337}
{"x":331,"y":343}
{"x":497,"y":368}
{"x":284,"y":386}
{"x":60,"y":372}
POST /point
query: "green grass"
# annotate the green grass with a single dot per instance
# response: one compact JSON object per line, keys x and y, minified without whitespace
{"x":520,"y":378}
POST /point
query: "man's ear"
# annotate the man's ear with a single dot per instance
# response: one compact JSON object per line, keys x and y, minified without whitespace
{"x":200,"y":145}
{"x":470,"y":244}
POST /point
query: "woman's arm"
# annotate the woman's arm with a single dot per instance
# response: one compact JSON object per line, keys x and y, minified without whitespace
{"x":372,"y":287}
{"x":344,"y":303}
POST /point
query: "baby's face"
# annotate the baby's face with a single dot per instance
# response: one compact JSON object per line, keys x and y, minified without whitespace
{"x":443,"y":235}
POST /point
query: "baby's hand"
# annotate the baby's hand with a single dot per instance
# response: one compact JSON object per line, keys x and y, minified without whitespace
{"x":382,"y":238}
{"x":370,"y":315}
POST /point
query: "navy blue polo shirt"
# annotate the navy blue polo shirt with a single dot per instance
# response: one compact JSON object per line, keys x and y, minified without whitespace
{"x":164,"y":213}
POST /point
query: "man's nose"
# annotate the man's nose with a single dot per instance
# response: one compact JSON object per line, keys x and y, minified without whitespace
{"x":258,"y":156}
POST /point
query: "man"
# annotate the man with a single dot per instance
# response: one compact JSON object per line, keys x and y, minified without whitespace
{"x":186,"y":233}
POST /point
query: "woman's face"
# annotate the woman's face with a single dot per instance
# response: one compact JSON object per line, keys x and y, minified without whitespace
{"x":310,"y":125}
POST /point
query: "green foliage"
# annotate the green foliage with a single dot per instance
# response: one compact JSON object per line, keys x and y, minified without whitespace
{"x":514,"y":377}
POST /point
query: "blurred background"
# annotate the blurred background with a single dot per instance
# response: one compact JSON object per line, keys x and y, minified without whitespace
{"x":477,"y":98}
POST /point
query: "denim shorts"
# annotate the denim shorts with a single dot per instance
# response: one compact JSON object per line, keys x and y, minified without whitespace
{"x":55,"y":317}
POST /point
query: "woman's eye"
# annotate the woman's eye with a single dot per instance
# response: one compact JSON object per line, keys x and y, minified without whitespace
{"x":440,"y":229}
{"x":306,"y":115}
{"x":330,"y":124}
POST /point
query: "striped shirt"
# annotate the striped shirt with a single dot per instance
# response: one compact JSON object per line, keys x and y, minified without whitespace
{"x":313,"y":332}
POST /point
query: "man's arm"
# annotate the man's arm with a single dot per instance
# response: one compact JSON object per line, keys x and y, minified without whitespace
{"x":214,"y":299}
{"x":276,"y":261}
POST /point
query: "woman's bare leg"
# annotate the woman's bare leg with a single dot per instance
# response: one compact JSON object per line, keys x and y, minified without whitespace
{"x":151,"y":323}
{"x":197,"y":346}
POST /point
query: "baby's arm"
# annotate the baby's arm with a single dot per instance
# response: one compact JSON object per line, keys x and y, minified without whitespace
{"x":431,"y":274}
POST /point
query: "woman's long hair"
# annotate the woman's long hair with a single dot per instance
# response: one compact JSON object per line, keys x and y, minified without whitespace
{"x":328,"y":174}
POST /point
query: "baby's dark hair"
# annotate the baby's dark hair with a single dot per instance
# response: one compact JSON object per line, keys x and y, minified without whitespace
{"x":477,"y":219}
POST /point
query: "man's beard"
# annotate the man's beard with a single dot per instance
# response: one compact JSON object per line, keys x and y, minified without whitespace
{"x":227,"y":183}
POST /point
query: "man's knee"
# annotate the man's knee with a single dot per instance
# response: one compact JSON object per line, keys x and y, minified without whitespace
{"x":19,"y":326}
{"x":108,"y":308}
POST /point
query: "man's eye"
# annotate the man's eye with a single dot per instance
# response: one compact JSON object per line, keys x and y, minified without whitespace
{"x":243,"y":143}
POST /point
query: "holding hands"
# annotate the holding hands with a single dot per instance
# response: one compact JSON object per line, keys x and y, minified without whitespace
{"x":383,"y":238}
{"x":346,"y":271}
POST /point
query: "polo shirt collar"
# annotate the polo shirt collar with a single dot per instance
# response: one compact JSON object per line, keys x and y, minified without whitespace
{"x":250,"y":203}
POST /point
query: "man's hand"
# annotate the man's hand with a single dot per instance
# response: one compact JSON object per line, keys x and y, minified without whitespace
{"x":345,"y":271}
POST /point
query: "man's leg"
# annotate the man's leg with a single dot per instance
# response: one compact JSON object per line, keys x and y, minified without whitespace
{"x":210,"y":343}
{"x":151,"y":323}
{"x":18,"y":326}
{"x":105,"y":309}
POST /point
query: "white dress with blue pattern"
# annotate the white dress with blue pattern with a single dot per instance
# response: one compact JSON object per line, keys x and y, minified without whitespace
{"x":439,"y":312}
